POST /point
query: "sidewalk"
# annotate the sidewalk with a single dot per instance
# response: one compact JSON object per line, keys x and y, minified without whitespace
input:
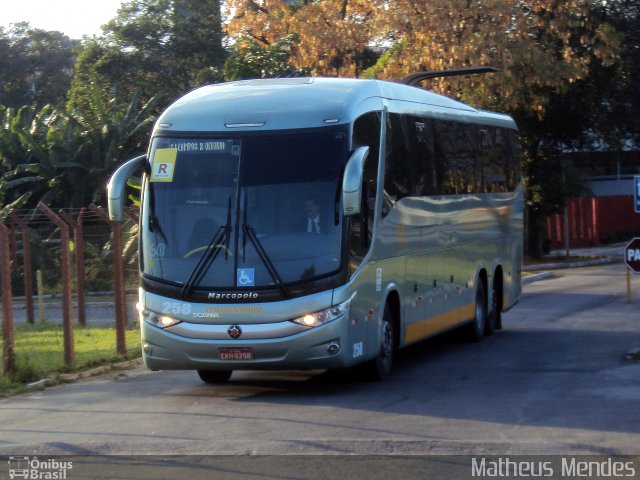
{"x":601,"y":255}
{"x":614,"y":250}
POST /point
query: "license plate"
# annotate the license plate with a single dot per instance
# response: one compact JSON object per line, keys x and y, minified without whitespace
{"x":236,"y":354}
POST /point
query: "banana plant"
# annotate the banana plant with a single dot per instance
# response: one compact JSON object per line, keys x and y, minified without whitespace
{"x":68,"y":156}
{"x":42,"y":147}
{"x":117,"y":129}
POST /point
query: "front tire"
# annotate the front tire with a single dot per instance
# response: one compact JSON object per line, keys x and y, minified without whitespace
{"x":380,"y":367}
{"x":215,"y":377}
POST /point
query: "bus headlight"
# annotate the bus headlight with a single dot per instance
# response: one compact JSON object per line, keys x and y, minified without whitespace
{"x":325,"y":316}
{"x":156,"y":319}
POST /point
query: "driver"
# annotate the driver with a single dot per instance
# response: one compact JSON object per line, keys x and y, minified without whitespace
{"x":313,"y":216}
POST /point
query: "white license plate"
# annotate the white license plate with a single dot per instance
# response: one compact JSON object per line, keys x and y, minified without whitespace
{"x":235,"y":354}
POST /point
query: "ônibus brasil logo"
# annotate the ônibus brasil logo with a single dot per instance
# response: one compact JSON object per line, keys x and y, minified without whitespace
{"x":32,"y":468}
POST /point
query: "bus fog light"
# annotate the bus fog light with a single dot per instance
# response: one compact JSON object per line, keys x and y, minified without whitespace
{"x":146,"y":348}
{"x":333,"y":349}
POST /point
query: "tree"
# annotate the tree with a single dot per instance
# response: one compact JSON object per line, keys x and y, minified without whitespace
{"x":36,"y":66}
{"x":150,"y":46}
{"x":333,"y":36}
{"x":249,"y":60}
{"x":544,"y":48}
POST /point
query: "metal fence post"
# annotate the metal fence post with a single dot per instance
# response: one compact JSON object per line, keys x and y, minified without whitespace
{"x":26,"y":263}
{"x":118,"y":278}
{"x":78,"y":237}
{"x":8,"y":353}
{"x":80,"y":269}
{"x":67,"y":306}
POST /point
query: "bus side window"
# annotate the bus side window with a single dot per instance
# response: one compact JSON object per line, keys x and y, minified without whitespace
{"x":495,"y":161}
{"x":397,"y":172}
{"x":459,"y":147}
{"x":366,"y":132}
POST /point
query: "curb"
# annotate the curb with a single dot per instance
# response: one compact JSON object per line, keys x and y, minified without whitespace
{"x":584,"y":263}
{"x":537,"y":277}
{"x":73,"y":377}
{"x":634,"y":354}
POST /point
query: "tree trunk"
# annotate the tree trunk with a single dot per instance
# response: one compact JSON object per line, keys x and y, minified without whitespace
{"x":535,"y":233}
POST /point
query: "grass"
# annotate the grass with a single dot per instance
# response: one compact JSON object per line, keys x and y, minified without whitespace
{"x":39,"y":351}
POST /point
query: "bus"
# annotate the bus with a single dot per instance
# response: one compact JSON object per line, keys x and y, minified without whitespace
{"x":320,"y":223}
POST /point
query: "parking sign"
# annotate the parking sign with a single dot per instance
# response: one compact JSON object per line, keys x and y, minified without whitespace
{"x":632,"y":255}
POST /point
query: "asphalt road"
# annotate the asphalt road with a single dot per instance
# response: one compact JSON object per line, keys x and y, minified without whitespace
{"x":554,"y":381}
{"x":98,"y":311}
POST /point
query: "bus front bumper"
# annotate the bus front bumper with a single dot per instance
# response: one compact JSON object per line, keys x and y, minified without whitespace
{"x":319,"y":347}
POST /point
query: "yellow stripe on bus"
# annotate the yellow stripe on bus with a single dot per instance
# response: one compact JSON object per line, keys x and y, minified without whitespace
{"x":438,"y":323}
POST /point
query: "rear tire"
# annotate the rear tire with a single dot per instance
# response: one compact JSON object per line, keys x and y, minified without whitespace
{"x":496,"y":309}
{"x":477,"y":326}
{"x":215,"y":376}
{"x":490,"y":326}
{"x":380,"y":367}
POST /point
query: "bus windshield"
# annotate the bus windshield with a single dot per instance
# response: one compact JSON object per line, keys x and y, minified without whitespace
{"x":243,"y":212}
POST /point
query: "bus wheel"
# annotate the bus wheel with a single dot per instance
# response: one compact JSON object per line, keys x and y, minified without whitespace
{"x":490,"y":324}
{"x":477,"y":326}
{"x":380,"y":367}
{"x":215,"y":376}
{"x":494,"y":319}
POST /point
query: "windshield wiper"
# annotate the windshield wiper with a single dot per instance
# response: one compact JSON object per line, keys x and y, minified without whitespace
{"x":208,"y":257}
{"x":248,"y":231}
{"x":153,"y":219}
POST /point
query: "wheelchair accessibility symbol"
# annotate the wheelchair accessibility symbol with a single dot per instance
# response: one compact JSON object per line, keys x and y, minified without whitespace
{"x":245,"y":277}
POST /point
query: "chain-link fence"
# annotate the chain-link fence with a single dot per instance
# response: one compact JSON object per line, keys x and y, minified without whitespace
{"x":67,"y":268}
{"x":44,"y":245}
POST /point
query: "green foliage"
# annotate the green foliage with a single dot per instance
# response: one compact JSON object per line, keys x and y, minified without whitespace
{"x":151,"y":46}
{"x":35,"y":66}
{"x":115,"y":130}
{"x":135,"y":184}
{"x":98,"y":267}
{"x":39,"y":152}
{"x":250,"y":60}
{"x":19,"y":202}
{"x":45,"y":256}
{"x":375,"y":70}
{"x":64,"y":158}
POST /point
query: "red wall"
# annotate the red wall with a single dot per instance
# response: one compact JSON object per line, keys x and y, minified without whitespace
{"x":591,"y":218}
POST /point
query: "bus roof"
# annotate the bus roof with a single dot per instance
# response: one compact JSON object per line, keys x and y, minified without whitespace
{"x":294,"y":103}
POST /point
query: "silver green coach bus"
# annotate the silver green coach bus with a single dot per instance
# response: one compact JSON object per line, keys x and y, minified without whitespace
{"x":307,"y":223}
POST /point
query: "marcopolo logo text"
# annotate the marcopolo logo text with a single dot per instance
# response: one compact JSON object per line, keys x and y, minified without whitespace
{"x":232,"y":296}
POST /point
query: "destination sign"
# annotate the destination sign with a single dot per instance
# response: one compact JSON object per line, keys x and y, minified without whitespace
{"x":201,"y":145}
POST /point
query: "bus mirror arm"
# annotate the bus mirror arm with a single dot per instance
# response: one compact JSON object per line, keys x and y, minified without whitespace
{"x":116,"y":187}
{"x":352,"y":182}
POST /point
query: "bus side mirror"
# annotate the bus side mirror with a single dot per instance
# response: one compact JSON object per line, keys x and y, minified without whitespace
{"x":352,"y":182}
{"x":116,"y":186}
